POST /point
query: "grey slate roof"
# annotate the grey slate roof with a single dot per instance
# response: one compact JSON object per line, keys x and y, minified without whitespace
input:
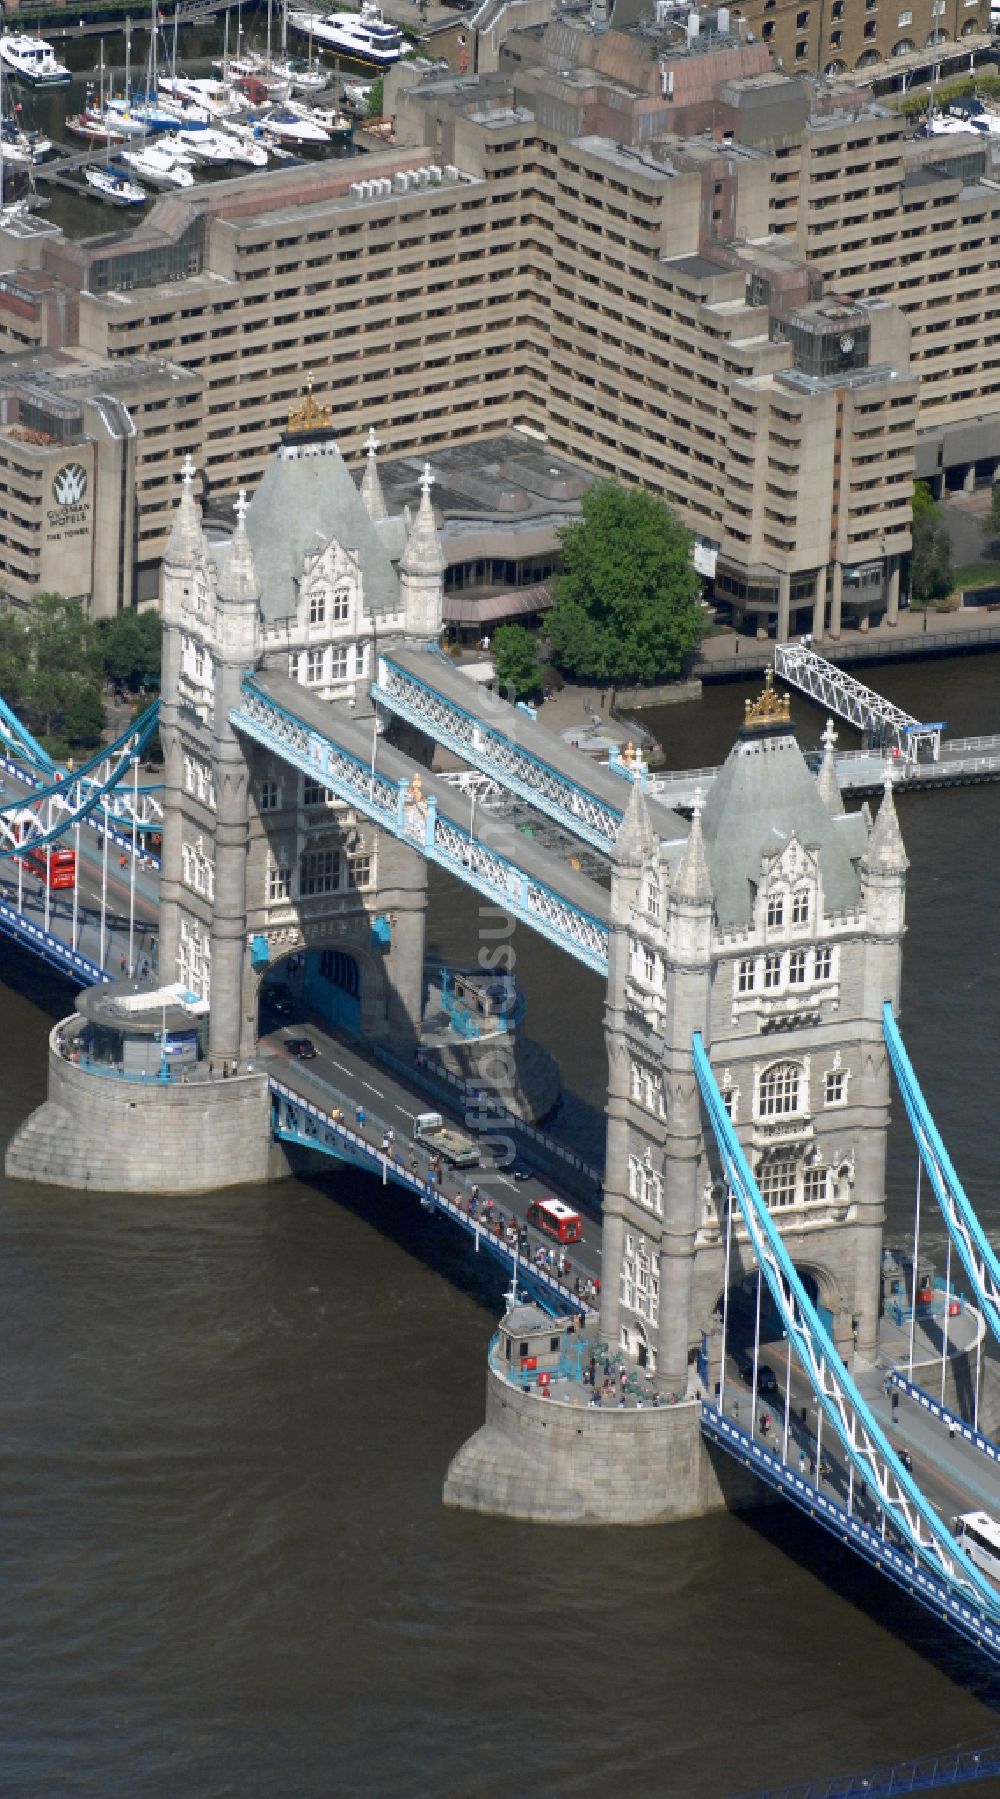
{"x":303,"y":502}
{"x":763,"y":795}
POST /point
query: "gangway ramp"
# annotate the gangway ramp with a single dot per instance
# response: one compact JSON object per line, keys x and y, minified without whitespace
{"x":505,"y":742}
{"x":882,"y":723}
{"x":330,"y":745}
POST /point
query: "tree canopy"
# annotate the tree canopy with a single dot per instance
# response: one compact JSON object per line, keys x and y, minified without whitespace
{"x":930,"y":558}
{"x":627,"y":603}
{"x":53,"y":659}
{"x":515,"y":658}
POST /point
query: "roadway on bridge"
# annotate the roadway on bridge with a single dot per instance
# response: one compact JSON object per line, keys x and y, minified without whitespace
{"x":953,"y":1475}
{"x":342,"y":1076}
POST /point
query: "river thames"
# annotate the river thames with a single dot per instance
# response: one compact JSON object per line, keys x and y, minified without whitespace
{"x":225,"y":1423}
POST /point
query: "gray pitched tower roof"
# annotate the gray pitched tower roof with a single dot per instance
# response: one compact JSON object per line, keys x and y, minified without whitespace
{"x":763,"y":795}
{"x":307,"y":499}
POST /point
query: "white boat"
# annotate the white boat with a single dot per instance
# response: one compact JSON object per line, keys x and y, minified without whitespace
{"x":160,"y":165}
{"x":32,"y":60}
{"x":251,"y":67}
{"x":306,"y":77}
{"x":111,"y":184}
{"x":246,"y":149}
{"x":213,"y":147}
{"x":364,"y":36}
{"x":295,"y":128}
{"x":214,"y":100}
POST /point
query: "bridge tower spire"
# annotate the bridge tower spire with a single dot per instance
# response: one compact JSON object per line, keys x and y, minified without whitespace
{"x":371,"y":484}
{"x":421,"y":568}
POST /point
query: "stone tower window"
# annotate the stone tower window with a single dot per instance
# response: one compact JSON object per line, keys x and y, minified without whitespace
{"x":776,"y":1181}
{"x":317,"y":606}
{"x":835,"y":1087}
{"x":823,"y":965}
{"x":341,"y":604}
{"x":775,"y":909}
{"x":800,"y":906}
{"x":745,"y":976}
{"x":797,"y":968}
{"x":780,"y":1091}
{"x":651,"y":896}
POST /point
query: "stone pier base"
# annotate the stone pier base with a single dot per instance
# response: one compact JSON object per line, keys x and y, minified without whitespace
{"x":118,"y":1136}
{"x":554,"y":1463}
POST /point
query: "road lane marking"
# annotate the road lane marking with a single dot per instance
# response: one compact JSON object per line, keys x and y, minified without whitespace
{"x":376,"y":1090}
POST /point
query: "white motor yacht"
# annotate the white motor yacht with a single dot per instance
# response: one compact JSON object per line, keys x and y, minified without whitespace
{"x":250,"y":67}
{"x":32,"y":60}
{"x":212,"y":147}
{"x":213,"y":100}
{"x":160,"y":165}
{"x":114,"y":186}
{"x":363,"y":36}
{"x":297,"y":129}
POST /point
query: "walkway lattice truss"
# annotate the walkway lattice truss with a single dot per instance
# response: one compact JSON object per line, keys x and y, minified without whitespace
{"x":836,"y":691}
{"x":494,"y":750}
{"x":864,"y":1443}
{"x":414,"y":820}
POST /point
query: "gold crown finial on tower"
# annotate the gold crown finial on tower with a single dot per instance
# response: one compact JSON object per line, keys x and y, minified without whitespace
{"x":309,"y":416}
{"x":770,"y":709}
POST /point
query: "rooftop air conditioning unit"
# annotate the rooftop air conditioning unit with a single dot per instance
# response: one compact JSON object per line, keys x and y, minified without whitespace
{"x":382,"y":185}
{"x":401,"y":182}
{"x":450,"y":172}
{"x":435,"y":174}
{"x":420,"y":178}
{"x":357,"y":190}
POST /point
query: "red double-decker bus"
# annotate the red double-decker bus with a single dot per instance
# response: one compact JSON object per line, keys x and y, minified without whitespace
{"x":56,"y":867}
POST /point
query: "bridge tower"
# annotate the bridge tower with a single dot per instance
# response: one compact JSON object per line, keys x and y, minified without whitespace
{"x":258,"y":861}
{"x":775,"y":930}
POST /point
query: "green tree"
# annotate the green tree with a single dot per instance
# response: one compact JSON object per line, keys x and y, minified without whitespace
{"x":991,"y":523}
{"x":515,"y":658}
{"x":82,"y":714}
{"x":627,"y":604}
{"x":376,"y":98}
{"x":930,"y":556}
{"x":129,"y":647}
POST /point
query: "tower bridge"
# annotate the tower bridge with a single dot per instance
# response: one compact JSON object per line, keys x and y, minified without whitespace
{"x":752,"y":960}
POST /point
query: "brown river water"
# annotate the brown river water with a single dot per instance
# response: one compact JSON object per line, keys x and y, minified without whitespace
{"x":225,"y":1421}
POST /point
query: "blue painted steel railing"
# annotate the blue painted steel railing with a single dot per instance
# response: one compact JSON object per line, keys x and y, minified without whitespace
{"x":296,"y":1119}
{"x":956,"y":1425}
{"x":974,"y":1248}
{"x":495,"y":750}
{"x":56,"y":808}
{"x":95,"y":820}
{"x":392,"y":806}
{"x":865,"y":1444}
{"x":929,"y":1773}
{"x":52,"y":949}
{"x":937,"y":1594}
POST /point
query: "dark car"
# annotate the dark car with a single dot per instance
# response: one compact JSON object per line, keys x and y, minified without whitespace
{"x":280,"y":1001}
{"x":302,"y":1048}
{"x":766,"y":1382}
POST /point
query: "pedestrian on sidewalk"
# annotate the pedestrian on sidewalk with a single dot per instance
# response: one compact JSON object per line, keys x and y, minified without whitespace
{"x":359,"y":1114}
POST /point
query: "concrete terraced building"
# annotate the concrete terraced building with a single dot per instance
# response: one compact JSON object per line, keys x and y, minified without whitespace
{"x":675,"y":266}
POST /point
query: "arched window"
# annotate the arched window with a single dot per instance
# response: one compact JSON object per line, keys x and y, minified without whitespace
{"x":936,"y":37}
{"x":903,"y":48}
{"x":969,"y":27}
{"x":781,"y":1090}
{"x":867,"y":57}
{"x":341,"y":603}
{"x":835,"y":68}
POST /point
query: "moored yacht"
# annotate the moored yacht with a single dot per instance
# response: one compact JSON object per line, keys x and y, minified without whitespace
{"x":114,"y":186}
{"x":95,"y":128}
{"x":295,"y":128}
{"x":160,"y":164}
{"x":363,"y":36}
{"x":32,"y":59}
